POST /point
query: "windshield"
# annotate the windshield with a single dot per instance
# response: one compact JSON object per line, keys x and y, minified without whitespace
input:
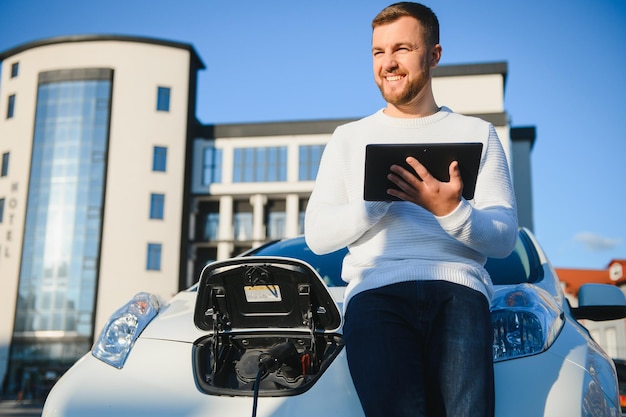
{"x":519,"y":267}
{"x":327,"y":266}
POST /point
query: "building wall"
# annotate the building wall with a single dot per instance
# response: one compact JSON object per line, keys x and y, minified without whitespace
{"x":13,"y":188}
{"x":136,"y":127}
{"x":485,"y":94}
{"x":476,"y":89}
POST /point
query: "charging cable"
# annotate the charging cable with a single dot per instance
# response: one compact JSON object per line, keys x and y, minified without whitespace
{"x":270,"y":362}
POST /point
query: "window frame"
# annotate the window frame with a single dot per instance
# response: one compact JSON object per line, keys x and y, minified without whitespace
{"x":157,"y":206}
{"x":159,"y":159}
{"x":164,"y":95}
{"x":309,"y":158}
{"x":211,"y":226}
{"x":11,"y":106}
{"x":211,"y":165}
{"x":154,"y":258}
{"x":243,"y":226}
{"x":4,"y":164}
{"x":15,"y":69}
{"x":260,"y":164}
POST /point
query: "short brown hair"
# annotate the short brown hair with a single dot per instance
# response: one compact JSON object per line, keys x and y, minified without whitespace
{"x":423,"y":14}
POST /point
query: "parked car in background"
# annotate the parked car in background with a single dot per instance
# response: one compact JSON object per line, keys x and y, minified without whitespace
{"x":261,"y":335}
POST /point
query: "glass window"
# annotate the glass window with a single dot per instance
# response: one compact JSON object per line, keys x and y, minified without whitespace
{"x":310,"y":156}
{"x":211,"y":165}
{"x":4,"y":169}
{"x":276,"y":225}
{"x":159,"y":159}
{"x":11,"y":106}
{"x":154,"y":257}
{"x":243,"y":226}
{"x":15,"y":67}
{"x":62,"y":230}
{"x":260,"y":164}
{"x":301,"y":222}
{"x":276,"y":218}
{"x":157,"y":203}
{"x":163,"y":98}
{"x":211,"y":226}
{"x":1,"y":209}
{"x":301,"y":213}
{"x":207,"y":220}
{"x":521,"y":266}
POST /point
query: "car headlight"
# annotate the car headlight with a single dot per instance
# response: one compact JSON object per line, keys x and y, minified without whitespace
{"x":525,"y":322}
{"x":123,"y":328}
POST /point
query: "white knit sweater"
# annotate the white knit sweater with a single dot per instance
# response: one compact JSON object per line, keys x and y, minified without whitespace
{"x":392,"y":242}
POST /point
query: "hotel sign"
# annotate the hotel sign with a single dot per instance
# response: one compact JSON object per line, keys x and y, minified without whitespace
{"x":11,"y":205}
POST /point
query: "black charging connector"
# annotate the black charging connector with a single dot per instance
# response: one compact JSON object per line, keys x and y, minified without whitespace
{"x":270,"y":362}
{"x":277,"y":356}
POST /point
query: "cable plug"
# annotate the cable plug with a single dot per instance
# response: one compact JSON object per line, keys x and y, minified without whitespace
{"x":277,"y":356}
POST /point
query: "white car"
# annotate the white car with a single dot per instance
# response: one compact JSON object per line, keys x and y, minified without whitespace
{"x":261,"y":335}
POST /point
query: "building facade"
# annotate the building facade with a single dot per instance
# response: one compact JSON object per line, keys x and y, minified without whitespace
{"x":95,"y":135}
{"x":110,"y":186}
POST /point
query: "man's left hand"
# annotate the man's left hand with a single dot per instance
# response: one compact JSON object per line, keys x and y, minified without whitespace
{"x":440,"y":198}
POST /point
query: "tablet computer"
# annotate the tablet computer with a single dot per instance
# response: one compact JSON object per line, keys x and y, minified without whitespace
{"x":436,"y":157}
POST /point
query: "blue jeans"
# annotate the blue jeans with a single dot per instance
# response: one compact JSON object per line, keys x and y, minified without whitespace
{"x":421,"y":349}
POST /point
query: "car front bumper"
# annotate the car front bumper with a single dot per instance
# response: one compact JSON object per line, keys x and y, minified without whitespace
{"x":158,"y":381}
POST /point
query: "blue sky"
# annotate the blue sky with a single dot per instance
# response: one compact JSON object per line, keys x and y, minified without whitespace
{"x":279,"y":60}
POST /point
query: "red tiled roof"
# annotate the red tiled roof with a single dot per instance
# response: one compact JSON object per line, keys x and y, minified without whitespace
{"x":574,"y":278}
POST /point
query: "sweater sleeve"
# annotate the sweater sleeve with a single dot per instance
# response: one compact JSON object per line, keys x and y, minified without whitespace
{"x":333,"y":219}
{"x":489,"y":223}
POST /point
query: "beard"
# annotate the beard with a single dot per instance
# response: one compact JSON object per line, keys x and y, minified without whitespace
{"x":408,"y":93}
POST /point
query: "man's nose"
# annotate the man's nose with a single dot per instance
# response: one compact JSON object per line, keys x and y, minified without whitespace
{"x":389,"y":62}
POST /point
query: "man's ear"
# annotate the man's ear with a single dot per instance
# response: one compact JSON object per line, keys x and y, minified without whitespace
{"x":435,"y":56}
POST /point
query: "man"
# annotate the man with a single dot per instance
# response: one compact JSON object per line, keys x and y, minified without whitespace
{"x":417,"y":325}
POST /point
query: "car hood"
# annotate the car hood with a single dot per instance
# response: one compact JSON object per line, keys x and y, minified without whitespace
{"x":175,"y":320}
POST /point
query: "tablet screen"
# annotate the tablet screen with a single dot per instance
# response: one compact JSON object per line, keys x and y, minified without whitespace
{"x":435,"y":157}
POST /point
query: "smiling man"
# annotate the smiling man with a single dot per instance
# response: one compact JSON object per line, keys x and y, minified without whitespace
{"x":417,"y":325}
{"x":403,"y":64}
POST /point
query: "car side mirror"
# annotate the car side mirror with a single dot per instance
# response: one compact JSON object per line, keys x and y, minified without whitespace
{"x":600,"y":302}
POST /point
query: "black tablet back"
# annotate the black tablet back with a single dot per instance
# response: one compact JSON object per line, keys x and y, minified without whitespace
{"x":435,"y":157}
